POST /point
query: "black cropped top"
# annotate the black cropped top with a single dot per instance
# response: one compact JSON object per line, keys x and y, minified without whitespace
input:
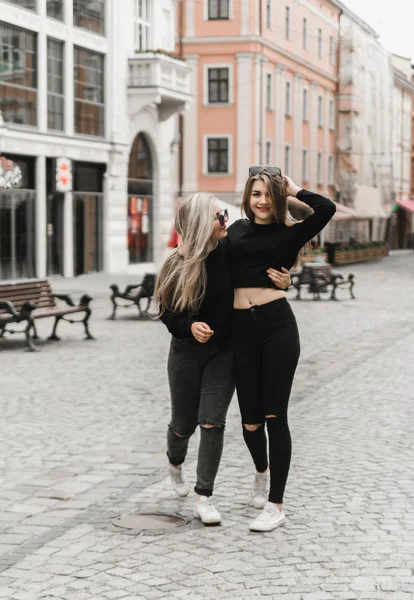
{"x":253,"y":248}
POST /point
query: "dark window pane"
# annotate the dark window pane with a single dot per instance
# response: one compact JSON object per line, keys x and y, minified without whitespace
{"x":29,"y":4}
{"x":89,"y":92}
{"x":218,"y":9}
{"x":90,"y":14}
{"x":18,"y":75}
{"x":55,"y":101}
{"x":217,"y":158}
{"x":218,"y":80}
{"x":54,"y":9}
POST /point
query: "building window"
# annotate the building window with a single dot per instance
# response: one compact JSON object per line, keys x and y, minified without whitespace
{"x":269,"y":14}
{"x":89,"y":92}
{"x":55,"y":86}
{"x":320,"y":111}
{"x":319,"y":173}
{"x":304,"y":165}
{"x":217,"y":155}
{"x":331,"y":170}
{"x":90,"y":15}
{"x":54,"y":9}
{"x":218,"y":9}
{"x":268,"y":153}
{"x":331,"y":115}
{"x":287,"y":99}
{"x":142,"y":18}
{"x":287,"y":23}
{"x":287,"y":160}
{"x":140,"y":202}
{"x":305,"y":105}
{"x":29,"y":4}
{"x":305,"y":34}
{"x":269,"y":91}
{"x":218,"y":85}
{"x":331,"y":50}
{"x":18,"y":85}
{"x":319,"y":43}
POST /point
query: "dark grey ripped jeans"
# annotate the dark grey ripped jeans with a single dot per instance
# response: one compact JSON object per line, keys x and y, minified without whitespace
{"x":201,"y":385}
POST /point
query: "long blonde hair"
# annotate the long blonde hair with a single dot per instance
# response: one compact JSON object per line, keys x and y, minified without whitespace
{"x":182,"y":280}
{"x":276,"y":188}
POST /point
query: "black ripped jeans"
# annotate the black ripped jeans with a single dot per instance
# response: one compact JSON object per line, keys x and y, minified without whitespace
{"x":201,"y":385}
{"x":266,"y":353}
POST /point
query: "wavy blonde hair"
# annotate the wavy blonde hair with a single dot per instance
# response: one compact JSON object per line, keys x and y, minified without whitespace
{"x":276,"y":187}
{"x":182,"y":280}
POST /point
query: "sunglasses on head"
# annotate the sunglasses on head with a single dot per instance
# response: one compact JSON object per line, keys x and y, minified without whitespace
{"x":269,"y":170}
{"x":222,"y":217}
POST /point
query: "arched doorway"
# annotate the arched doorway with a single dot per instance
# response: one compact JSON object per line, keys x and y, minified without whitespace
{"x":140,"y":202}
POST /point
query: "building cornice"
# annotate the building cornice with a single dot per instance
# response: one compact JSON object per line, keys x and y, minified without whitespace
{"x":363,"y":24}
{"x":257,"y":39}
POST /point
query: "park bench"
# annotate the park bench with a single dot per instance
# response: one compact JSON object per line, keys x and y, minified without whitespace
{"x":26,"y":300}
{"x":320,"y":278}
{"x":133,"y":294}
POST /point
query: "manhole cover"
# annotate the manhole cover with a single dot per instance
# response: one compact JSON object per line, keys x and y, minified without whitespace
{"x":150,"y":521}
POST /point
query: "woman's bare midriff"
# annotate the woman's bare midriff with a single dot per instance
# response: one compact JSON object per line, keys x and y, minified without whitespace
{"x":248,"y":297}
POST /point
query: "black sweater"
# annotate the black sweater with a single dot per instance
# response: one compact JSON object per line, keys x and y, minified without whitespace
{"x":217,"y":303}
{"x":253,"y":248}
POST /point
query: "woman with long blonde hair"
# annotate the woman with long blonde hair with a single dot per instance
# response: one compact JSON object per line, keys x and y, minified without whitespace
{"x":266,"y":337}
{"x":194,"y":299}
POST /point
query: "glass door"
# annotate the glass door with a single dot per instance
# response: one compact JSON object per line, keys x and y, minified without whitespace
{"x":17,"y":234}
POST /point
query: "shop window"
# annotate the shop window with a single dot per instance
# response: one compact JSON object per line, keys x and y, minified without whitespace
{"x":140,"y":202}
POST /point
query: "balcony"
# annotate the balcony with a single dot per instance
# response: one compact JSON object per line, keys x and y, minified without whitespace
{"x":154,"y":77}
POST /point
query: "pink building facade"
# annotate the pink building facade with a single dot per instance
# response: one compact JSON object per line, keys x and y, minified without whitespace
{"x":264,"y":84}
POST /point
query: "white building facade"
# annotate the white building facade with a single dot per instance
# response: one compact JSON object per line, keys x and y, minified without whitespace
{"x":365,"y":128}
{"x":80,"y":81}
{"x":402,"y":97}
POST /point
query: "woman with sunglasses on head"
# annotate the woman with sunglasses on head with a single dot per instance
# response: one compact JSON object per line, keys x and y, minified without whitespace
{"x":266,"y":338}
{"x":194,"y":299}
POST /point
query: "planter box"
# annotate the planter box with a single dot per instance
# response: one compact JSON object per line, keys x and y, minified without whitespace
{"x":348,"y":257}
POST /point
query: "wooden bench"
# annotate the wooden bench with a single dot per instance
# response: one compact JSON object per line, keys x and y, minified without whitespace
{"x":133,"y":294}
{"x":26,"y":300}
{"x":319,"y":278}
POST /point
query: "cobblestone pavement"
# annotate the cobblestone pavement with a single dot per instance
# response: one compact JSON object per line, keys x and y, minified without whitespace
{"x":83,"y":442}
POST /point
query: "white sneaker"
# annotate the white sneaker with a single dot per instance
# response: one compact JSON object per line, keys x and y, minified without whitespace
{"x":260,"y":489}
{"x":206,"y":511}
{"x":179,"y":480}
{"x":270,"y":518}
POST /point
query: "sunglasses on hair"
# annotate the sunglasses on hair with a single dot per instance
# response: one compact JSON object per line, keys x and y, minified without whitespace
{"x":222,"y":217}
{"x":269,"y":170}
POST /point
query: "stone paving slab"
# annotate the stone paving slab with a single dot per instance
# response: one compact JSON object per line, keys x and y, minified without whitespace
{"x":83,"y":442}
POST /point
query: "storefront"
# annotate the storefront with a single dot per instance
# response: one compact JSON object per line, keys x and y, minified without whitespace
{"x":88,"y":217}
{"x":17,"y":223}
{"x":140,"y":202}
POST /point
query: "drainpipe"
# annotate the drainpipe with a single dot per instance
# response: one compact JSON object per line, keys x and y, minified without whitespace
{"x":180,"y":116}
{"x":261,"y":86}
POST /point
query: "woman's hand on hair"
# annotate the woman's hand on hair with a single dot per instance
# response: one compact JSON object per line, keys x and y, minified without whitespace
{"x":201,"y":331}
{"x":291,"y":188}
{"x":281,"y":280}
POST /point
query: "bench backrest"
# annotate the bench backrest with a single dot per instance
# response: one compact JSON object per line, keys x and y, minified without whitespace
{"x":37,"y":291}
{"x":322,"y":269}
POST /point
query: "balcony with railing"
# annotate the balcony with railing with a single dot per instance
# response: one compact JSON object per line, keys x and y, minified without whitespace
{"x":160,"y":78}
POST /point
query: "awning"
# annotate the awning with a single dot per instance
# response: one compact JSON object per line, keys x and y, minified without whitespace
{"x":406,"y":204}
